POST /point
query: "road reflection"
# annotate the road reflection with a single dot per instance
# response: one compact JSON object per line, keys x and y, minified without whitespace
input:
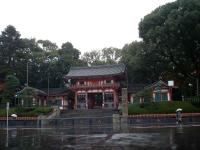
{"x":137,"y":139}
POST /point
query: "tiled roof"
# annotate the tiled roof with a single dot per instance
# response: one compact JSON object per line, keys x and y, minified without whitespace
{"x":56,"y":91}
{"x":102,"y":70}
{"x":159,"y":83}
{"x":38,"y":92}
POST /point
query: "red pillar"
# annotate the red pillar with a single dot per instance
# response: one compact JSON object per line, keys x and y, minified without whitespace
{"x":117,"y":99}
{"x":86,"y":100}
{"x":75,"y":104}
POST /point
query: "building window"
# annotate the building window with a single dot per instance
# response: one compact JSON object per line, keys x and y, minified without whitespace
{"x":81,"y":98}
{"x":164,"y":97}
{"x":109,"y":81}
{"x":157,"y":97}
{"x":81,"y":82}
{"x":160,"y":96}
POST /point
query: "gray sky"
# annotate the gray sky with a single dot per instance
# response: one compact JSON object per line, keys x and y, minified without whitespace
{"x":87,"y":24}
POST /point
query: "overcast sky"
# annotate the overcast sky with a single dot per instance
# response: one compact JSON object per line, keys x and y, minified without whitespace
{"x":87,"y":24}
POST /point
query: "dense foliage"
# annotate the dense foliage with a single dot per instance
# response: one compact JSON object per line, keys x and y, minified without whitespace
{"x":44,"y":59}
{"x":172,"y":33}
{"x":12,"y":84}
{"x":27,"y":112}
{"x":101,"y":57}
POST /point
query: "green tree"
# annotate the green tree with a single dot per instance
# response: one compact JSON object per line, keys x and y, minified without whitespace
{"x":174,"y":31}
{"x":144,"y":95}
{"x":11,"y":50}
{"x":93,"y":58}
{"x":44,"y":58}
{"x":111,"y":55}
{"x":47,"y":45}
{"x":68,"y":56}
{"x":11,"y":85}
{"x":142,"y":65}
{"x":69,"y":52}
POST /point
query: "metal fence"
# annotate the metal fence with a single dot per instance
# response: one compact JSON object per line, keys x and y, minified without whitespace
{"x":193,"y":100}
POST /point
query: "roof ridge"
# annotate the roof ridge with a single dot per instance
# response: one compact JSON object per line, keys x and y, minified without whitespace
{"x":100,"y":70}
{"x":97,"y":66}
{"x":156,"y":82}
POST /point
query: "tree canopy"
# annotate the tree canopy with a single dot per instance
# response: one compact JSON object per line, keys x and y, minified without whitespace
{"x":172,"y":32}
{"x":11,"y":85}
{"x":109,"y":55}
{"x":43,"y":57}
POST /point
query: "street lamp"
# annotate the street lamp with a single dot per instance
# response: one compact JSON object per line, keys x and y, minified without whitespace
{"x":7,"y":111}
{"x":13,"y":115}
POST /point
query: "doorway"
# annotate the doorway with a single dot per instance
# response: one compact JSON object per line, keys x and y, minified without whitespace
{"x":95,"y":100}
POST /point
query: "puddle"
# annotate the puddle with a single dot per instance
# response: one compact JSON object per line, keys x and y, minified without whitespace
{"x":137,"y":139}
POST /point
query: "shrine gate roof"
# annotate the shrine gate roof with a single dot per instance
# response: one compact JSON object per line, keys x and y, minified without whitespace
{"x":94,"y":71}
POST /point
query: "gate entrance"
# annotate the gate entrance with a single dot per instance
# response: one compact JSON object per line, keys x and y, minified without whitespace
{"x":95,"y":100}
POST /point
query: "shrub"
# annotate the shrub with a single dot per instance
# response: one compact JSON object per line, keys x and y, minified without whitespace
{"x":27,"y":111}
{"x":161,"y":107}
{"x":43,"y":110}
{"x":145,"y":94}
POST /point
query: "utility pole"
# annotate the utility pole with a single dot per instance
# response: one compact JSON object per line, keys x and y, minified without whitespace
{"x":48,"y":84}
{"x":27,"y":75}
{"x":197,"y":80}
{"x":7,"y":111}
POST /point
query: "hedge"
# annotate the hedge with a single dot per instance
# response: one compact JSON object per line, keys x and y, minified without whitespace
{"x":27,"y":112}
{"x":161,"y":107}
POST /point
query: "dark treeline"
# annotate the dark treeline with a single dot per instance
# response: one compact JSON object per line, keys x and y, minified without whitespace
{"x":170,"y":49}
{"x":43,"y":57}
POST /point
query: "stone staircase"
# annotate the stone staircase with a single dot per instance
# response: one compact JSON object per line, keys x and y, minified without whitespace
{"x":87,"y":120}
{"x":86,"y":113}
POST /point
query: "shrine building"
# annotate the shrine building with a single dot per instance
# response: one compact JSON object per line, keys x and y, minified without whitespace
{"x":96,"y":86}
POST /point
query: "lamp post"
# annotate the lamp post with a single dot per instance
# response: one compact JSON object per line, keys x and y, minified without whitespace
{"x":197,"y":81}
{"x":16,"y":102}
{"x":7,"y":111}
{"x":27,"y":74}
